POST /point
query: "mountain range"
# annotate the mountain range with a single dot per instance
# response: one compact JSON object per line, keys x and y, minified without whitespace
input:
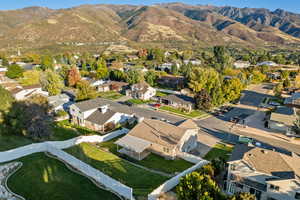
{"x":163,"y":24}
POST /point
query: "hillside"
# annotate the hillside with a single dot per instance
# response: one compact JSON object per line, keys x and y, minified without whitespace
{"x":38,"y":27}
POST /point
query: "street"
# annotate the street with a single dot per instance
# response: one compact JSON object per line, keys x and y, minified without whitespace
{"x":220,"y":127}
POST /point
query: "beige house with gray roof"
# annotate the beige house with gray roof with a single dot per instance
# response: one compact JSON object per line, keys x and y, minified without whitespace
{"x":154,"y":136}
{"x":267,"y":174}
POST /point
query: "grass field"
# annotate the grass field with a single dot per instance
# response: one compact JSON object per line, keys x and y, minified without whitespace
{"x":142,"y":181}
{"x":219,"y":151}
{"x":192,"y":114}
{"x":13,"y":141}
{"x":44,"y":178}
{"x":152,"y":161}
{"x":111,"y":95}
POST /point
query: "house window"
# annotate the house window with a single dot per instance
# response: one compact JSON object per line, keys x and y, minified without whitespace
{"x":274,"y":187}
{"x":239,"y":185}
{"x":232,"y":188}
{"x":297,"y":195}
{"x":166,"y":150}
{"x":232,"y":167}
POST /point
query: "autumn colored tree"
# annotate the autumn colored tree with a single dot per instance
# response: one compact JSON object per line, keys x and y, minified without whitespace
{"x":73,"y":76}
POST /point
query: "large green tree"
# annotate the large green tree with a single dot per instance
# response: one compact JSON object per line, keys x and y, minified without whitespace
{"x":52,"y":82}
{"x":30,"y":77}
{"x":47,"y":63}
{"x":14,"y":71}
{"x":5,"y":99}
{"x":29,"y":118}
{"x":84,"y":91}
{"x":151,"y":77}
{"x":133,"y":77}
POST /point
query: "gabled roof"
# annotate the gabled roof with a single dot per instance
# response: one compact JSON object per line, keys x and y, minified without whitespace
{"x":133,"y":143}
{"x":188,"y":124}
{"x":285,"y":115}
{"x":158,"y":132}
{"x":267,"y":161}
{"x":98,"y":102}
{"x":100,"y":118}
{"x":181,"y":99}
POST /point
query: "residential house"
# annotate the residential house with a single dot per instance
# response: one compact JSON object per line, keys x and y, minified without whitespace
{"x":178,"y":101}
{"x":141,"y":91}
{"x":268,"y":63}
{"x":60,"y":102}
{"x":167,"y":66}
{"x":22,"y":93}
{"x":112,"y":86}
{"x":99,"y":114}
{"x":293,"y":101}
{"x":155,"y":136}
{"x":274,"y":75}
{"x":282,"y":120}
{"x":176,"y":82}
{"x":192,"y":62}
{"x":240,"y":64}
{"x":267,"y":174}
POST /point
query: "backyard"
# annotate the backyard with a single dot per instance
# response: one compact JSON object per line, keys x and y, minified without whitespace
{"x":219,"y":151}
{"x":11,"y":141}
{"x":192,"y":114}
{"x":111,"y":95}
{"x":142,"y":181}
{"x":138,"y":101}
{"x":152,"y":161}
{"x":46,"y":178}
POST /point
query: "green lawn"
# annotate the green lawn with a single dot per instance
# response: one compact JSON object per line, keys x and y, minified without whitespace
{"x":161,"y":94}
{"x":13,"y":141}
{"x":44,"y":178}
{"x":138,"y":101}
{"x":112,"y":95}
{"x":142,"y":181}
{"x":65,"y":124}
{"x":219,"y":151}
{"x":192,"y":114}
{"x":152,"y":161}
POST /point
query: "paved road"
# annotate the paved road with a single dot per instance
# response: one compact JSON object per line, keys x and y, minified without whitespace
{"x":220,"y":126}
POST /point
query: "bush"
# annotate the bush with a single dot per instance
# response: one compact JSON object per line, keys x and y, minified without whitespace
{"x":61,"y":113}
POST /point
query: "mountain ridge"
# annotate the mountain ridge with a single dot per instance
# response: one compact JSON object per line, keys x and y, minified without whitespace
{"x":204,"y":25}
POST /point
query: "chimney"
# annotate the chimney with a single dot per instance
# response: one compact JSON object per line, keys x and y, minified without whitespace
{"x":104,"y":109}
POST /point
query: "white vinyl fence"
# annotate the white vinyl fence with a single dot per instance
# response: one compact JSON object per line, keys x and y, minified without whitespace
{"x":171,"y":183}
{"x":92,"y":173}
{"x":6,"y":156}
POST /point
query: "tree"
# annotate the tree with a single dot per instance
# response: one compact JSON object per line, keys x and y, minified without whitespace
{"x":29,"y":118}
{"x":198,"y":186}
{"x":47,"y":63}
{"x":85,"y":91}
{"x":278,"y":89}
{"x":73,"y":76}
{"x":203,"y":100}
{"x":117,"y":75}
{"x":14,"y":71}
{"x":30,"y":77}
{"x":174,"y":69}
{"x":242,"y":196}
{"x":286,"y":83}
{"x":51,"y":82}
{"x":4,"y":61}
{"x":258,"y":77}
{"x":134,"y":77}
{"x":151,"y":77}
{"x":101,"y":70}
{"x":232,"y":89}
{"x":5,"y":100}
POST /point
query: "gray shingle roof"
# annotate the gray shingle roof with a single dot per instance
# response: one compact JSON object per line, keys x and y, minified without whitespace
{"x":98,"y":102}
{"x":181,"y":99}
{"x":100,"y":118}
{"x":267,"y":161}
{"x":285,"y":115}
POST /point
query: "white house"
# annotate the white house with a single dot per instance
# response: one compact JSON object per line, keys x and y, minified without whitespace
{"x":22,"y":93}
{"x":98,"y":114}
{"x":268,"y":63}
{"x":141,"y":91}
{"x":155,"y":136}
{"x":240,"y":64}
{"x":60,"y":102}
{"x":192,"y":61}
{"x":167,"y":66}
{"x":267,"y":174}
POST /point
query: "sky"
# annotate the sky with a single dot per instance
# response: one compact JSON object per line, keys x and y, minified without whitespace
{"x":290,"y":5}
